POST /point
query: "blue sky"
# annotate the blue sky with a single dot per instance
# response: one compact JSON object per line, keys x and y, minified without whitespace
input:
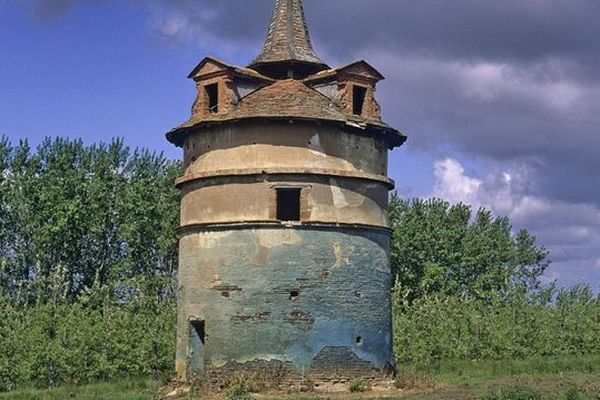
{"x":501,"y":103}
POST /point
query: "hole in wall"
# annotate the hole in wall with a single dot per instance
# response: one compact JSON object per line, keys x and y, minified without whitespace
{"x":225,"y":293}
{"x":359,"y":340}
{"x":212,"y":93}
{"x":294,"y":294}
{"x":359,"y":94}
{"x":288,"y":204}
{"x":198,"y":331}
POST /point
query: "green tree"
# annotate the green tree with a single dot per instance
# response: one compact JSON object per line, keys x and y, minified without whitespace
{"x":439,"y":248}
{"x":75,"y":218}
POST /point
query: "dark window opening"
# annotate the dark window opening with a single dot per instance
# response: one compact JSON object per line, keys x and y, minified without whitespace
{"x":288,"y":204}
{"x":212,"y":93}
{"x":294,"y":294}
{"x":225,"y":293}
{"x":358,"y":340}
{"x":359,"y":94}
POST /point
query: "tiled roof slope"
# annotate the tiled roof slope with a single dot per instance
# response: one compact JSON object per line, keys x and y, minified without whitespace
{"x":288,"y":38}
{"x":287,"y":99}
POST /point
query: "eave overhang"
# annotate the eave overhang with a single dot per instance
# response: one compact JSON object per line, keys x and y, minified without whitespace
{"x":393,"y":137}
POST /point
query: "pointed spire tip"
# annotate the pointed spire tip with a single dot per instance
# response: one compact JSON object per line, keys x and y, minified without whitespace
{"x":288,"y":39}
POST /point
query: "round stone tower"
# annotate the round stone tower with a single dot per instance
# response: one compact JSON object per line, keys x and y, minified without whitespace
{"x":284,"y":230}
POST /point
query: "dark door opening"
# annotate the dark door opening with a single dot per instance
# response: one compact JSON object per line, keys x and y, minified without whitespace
{"x":288,"y":204}
{"x":196,"y":348}
{"x":359,"y":94}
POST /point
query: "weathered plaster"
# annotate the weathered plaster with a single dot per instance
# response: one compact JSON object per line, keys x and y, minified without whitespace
{"x":252,"y":198}
{"x":283,"y":145}
{"x":242,"y":286}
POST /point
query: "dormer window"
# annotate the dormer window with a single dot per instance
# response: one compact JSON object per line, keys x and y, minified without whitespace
{"x":212,"y":95}
{"x":359,"y":94}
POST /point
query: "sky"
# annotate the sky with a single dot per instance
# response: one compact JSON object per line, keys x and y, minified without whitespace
{"x":500,"y":99}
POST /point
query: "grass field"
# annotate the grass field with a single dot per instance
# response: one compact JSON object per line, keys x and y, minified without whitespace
{"x":126,"y":390}
{"x":534,"y":379}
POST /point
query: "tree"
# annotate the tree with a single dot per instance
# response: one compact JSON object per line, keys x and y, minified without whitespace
{"x":76,"y":217}
{"x":439,"y":248}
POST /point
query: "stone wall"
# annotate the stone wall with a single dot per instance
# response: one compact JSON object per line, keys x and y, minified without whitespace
{"x":315,"y":299}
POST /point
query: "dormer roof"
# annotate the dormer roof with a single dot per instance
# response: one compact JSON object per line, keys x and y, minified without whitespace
{"x":212,"y":65}
{"x":359,"y":68}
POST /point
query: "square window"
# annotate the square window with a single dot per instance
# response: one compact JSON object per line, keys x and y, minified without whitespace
{"x":288,"y":204}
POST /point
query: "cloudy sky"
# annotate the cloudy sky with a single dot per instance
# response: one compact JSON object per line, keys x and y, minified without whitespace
{"x":500,"y":99}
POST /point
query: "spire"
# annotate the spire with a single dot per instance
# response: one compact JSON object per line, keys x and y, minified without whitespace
{"x":288,"y":45}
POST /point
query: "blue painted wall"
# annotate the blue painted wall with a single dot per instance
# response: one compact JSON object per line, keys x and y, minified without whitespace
{"x":314,"y":298}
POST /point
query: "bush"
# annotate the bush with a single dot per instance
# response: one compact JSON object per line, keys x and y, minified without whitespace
{"x":358,"y":385}
{"x":456,"y":328}
{"x":240,"y":385}
{"x":48,"y":345}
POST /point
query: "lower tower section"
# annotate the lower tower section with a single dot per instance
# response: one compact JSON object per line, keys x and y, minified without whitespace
{"x":310,"y":300}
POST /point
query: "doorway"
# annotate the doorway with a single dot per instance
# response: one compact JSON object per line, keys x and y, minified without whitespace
{"x":196,"y":348}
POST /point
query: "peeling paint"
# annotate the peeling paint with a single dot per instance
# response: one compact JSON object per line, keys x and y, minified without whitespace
{"x":300,"y":307}
{"x":270,"y":239}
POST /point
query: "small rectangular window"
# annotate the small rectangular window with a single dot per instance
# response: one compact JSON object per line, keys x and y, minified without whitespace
{"x":359,"y":94}
{"x":288,"y":204}
{"x":212,"y":94}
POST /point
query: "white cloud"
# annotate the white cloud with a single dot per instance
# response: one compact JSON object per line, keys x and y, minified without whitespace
{"x":453,"y":184}
{"x":570,"y":231}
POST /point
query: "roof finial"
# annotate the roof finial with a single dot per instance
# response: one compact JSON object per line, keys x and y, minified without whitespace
{"x":288,"y":41}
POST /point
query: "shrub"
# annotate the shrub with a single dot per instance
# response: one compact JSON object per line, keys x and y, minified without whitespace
{"x":457,"y":328}
{"x":47,"y":345}
{"x":240,"y":385}
{"x":358,"y":385}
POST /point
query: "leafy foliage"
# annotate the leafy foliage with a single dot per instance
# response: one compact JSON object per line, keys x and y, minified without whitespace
{"x":88,"y":252}
{"x":73,"y":218}
{"x":47,"y":344}
{"x":443,"y":249}
{"x":454,"y":328}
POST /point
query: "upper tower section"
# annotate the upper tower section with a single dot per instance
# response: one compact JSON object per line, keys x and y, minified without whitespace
{"x":287,"y":82}
{"x":288,"y":51}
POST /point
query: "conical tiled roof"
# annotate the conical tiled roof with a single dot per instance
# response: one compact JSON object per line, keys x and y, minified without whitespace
{"x":288,"y":39}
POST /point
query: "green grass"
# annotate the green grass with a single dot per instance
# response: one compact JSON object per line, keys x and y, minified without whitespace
{"x":126,"y":390}
{"x":568,"y":378}
{"x":457,"y":372}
